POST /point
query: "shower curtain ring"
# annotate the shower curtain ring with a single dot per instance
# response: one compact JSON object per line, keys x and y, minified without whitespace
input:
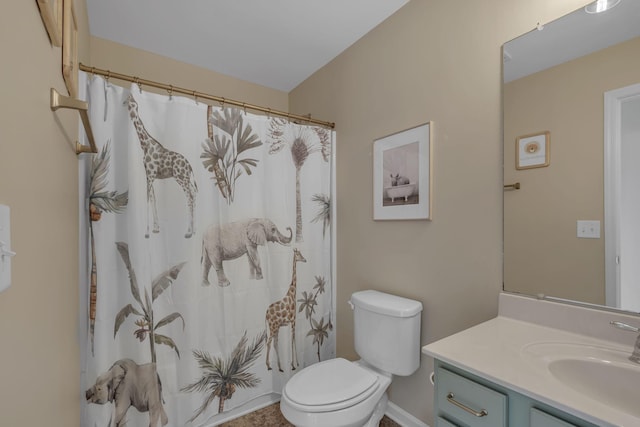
{"x":136,"y":80}
{"x":244,"y":107}
{"x":170,"y":90}
{"x":222,"y":103}
{"x":195,"y":97}
{"x":269,"y":113}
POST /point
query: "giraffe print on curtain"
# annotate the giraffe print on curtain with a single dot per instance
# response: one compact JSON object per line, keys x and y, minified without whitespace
{"x":161,"y":163}
{"x":282,"y":313}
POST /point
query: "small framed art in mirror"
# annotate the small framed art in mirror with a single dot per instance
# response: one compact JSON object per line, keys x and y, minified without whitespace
{"x":532,"y":151}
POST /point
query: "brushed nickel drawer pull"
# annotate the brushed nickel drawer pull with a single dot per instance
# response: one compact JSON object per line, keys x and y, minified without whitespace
{"x":451,"y":399}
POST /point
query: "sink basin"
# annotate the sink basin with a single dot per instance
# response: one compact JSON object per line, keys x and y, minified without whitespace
{"x":604,"y":374}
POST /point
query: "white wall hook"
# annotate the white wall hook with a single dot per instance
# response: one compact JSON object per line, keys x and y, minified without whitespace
{"x":5,"y":244}
{"x":4,"y":251}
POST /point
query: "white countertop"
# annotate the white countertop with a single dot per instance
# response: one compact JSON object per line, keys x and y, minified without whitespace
{"x":494,"y":350}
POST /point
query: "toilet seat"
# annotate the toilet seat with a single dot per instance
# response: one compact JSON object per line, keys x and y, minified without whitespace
{"x":330,"y":385}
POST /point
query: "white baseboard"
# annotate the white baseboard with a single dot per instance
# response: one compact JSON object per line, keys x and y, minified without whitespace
{"x":402,"y":417}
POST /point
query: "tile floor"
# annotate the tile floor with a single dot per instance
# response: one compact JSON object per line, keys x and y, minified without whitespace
{"x":270,"y":416}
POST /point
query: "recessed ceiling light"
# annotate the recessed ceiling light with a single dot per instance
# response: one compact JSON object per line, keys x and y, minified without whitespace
{"x":600,"y":6}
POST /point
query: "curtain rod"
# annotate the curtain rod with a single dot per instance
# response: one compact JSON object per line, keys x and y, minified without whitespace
{"x":171,"y":89}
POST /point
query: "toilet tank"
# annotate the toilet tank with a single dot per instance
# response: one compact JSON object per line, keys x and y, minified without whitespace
{"x":387,"y":331}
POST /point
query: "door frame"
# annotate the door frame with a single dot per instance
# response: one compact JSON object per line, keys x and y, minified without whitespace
{"x":613,"y":100}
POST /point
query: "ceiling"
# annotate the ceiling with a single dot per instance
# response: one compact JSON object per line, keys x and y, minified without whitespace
{"x":274,"y":43}
{"x":569,"y":37}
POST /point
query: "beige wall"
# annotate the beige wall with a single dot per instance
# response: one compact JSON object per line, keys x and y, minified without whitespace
{"x":542,"y":252}
{"x":134,"y":62}
{"x":39,"y":359}
{"x":438,"y":61}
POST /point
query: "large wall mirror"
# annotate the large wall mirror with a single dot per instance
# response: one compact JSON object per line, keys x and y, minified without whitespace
{"x":572,"y":142}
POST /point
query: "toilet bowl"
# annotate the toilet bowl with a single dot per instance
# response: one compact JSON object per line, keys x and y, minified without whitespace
{"x":336,"y":393}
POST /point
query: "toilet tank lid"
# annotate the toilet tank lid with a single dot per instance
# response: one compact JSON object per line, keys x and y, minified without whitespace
{"x":387,"y":304}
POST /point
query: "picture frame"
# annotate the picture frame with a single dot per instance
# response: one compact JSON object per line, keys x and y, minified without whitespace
{"x":532,"y":151}
{"x":51,"y":12}
{"x":70,"y":67}
{"x":402,"y":174}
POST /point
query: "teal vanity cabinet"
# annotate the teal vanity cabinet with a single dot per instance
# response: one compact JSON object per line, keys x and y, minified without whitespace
{"x":466,"y":400}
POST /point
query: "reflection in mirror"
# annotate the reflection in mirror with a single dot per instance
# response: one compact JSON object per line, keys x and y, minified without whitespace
{"x":556,"y":79}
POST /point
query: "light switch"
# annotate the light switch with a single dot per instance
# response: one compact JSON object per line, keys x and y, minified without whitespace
{"x":5,"y":248}
{"x":589,"y":229}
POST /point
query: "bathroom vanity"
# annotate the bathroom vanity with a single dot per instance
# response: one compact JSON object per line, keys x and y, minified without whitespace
{"x":538,"y":364}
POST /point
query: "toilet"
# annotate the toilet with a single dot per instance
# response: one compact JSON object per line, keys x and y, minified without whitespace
{"x":341,"y":393}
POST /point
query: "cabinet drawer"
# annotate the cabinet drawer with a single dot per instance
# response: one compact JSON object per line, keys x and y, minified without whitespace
{"x":459,"y":398}
{"x":538,"y":418}
{"x":441,"y":422}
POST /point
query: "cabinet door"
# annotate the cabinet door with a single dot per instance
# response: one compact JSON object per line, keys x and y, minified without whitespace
{"x":441,"y":422}
{"x":468,"y":402}
{"x":542,"y":419}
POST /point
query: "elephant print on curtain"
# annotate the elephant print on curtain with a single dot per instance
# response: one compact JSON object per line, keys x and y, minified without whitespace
{"x":232,"y":240}
{"x":197,"y":350}
{"x":128,"y":384}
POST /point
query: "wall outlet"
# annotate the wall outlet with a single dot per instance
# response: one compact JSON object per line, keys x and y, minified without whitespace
{"x":589,"y":229}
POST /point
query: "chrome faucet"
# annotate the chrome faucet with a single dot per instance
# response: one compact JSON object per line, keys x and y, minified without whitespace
{"x":635,"y":356}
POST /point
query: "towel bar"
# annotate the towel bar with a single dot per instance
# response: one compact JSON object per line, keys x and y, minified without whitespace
{"x":61,"y":101}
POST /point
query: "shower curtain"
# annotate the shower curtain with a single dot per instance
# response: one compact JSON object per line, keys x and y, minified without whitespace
{"x":206,"y":280}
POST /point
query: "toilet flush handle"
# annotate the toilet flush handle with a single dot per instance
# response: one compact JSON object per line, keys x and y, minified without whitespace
{"x":351,"y":305}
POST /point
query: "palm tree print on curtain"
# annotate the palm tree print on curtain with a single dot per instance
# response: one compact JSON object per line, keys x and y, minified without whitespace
{"x":308,"y":302}
{"x":146,"y":323}
{"x":151,"y":305}
{"x":324,"y":213}
{"x":222,"y":150}
{"x":221,"y":377}
{"x":100,"y":200}
{"x":302,"y":143}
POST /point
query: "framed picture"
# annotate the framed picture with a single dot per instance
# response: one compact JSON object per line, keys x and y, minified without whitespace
{"x":70,"y":48}
{"x":402,"y":171}
{"x":51,"y":13}
{"x":532,"y":151}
